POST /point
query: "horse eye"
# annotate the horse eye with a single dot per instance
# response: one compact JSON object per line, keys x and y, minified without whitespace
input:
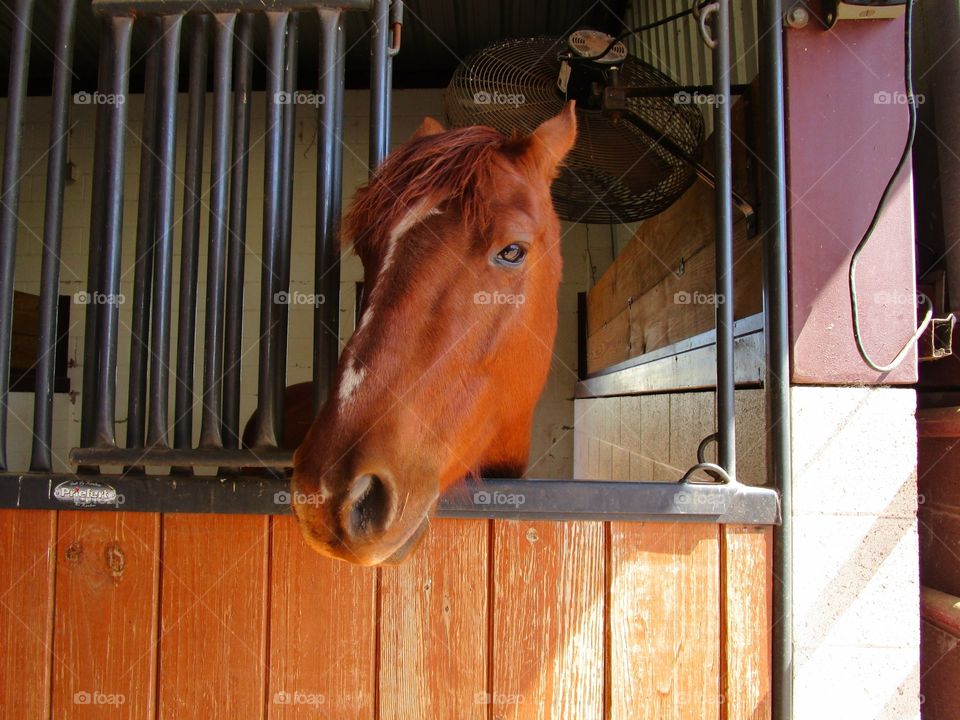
{"x":512,"y":254}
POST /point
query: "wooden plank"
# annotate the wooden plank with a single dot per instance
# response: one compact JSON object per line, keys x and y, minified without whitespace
{"x":937,"y":463}
{"x":939,"y":549}
{"x":106,"y":615}
{"x":748,"y":613}
{"x":213,"y":617}
{"x":939,"y":670}
{"x":28,"y":539}
{"x":322,"y":632}
{"x":433,"y":637}
{"x":677,"y":308}
{"x":664,"y":622}
{"x":548,"y":624}
{"x":941,"y":422}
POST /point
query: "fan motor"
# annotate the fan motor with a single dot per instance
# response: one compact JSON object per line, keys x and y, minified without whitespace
{"x":584,"y":79}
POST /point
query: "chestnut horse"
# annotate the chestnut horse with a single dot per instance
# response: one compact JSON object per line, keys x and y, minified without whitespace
{"x":461,"y":253}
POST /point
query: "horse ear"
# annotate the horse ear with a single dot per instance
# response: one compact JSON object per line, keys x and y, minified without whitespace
{"x":551,"y":142}
{"x":429,"y":126}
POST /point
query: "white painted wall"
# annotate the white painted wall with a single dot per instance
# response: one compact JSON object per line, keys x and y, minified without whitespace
{"x":586,"y":250}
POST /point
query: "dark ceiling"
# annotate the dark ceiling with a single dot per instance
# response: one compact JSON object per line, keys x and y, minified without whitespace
{"x":437,"y":35}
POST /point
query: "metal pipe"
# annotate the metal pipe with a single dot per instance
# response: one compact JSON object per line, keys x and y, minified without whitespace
{"x":95,"y":249}
{"x":777,"y":336}
{"x":163,"y":260}
{"x":285,"y":211}
{"x":180,"y":7}
{"x":236,"y":241}
{"x":190,"y":238}
{"x":326,"y":315}
{"x":216,"y":253}
{"x":10,"y":200}
{"x":146,"y":237}
{"x":106,"y":306}
{"x":40,"y":459}
{"x":265,"y":432}
{"x":379,"y":82}
{"x":726,"y":430}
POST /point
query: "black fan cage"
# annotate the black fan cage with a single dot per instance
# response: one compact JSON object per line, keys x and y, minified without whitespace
{"x":621,"y":169}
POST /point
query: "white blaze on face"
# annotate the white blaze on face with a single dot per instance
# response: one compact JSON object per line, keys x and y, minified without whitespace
{"x":352,"y":377}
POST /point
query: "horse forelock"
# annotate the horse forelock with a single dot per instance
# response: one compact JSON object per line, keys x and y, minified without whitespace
{"x":450,"y":168}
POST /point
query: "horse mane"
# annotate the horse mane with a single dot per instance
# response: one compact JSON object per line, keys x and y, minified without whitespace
{"x":452,"y":166}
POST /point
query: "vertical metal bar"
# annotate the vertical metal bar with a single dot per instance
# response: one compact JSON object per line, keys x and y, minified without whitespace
{"x":106,"y":306}
{"x":286,"y":209}
{"x":146,"y":237}
{"x":10,"y":200}
{"x":236,"y":242}
{"x":40,"y":459}
{"x":163,"y":260}
{"x":190,"y":239}
{"x":379,"y":82}
{"x":776,"y":328}
{"x":326,"y":322}
{"x":265,"y":434}
{"x":95,"y":248}
{"x":216,"y":253}
{"x":726,"y":433}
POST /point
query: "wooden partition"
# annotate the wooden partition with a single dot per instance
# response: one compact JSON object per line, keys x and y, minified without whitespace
{"x":127,"y":615}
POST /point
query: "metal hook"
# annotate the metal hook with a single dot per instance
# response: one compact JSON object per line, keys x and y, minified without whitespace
{"x":396,"y":26}
{"x":702,"y":13}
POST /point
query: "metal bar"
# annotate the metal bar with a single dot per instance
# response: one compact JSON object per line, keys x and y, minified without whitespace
{"x":210,"y":422}
{"x":497,"y":499}
{"x":180,"y":7}
{"x":190,"y":238}
{"x":106,"y":306}
{"x":10,"y":200}
{"x":95,"y":249}
{"x":379,"y":82}
{"x":687,"y":365}
{"x":776,"y":322}
{"x":163,"y":260}
{"x":265,"y":432}
{"x":326,"y":315}
{"x":285,"y":212}
{"x":52,"y":234}
{"x":236,"y":241}
{"x":146,"y":237}
{"x":219,"y":457}
{"x":726,"y":430}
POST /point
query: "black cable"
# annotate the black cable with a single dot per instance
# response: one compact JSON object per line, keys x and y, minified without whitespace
{"x":904,"y":157}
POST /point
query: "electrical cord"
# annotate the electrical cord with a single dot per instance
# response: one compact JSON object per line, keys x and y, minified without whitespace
{"x":904,"y":157}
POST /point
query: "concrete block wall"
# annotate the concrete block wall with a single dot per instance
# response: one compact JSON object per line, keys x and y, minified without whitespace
{"x":655,"y":437}
{"x":855,"y":569}
{"x":586,"y":252}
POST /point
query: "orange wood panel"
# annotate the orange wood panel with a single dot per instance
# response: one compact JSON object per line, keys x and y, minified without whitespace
{"x":322,"y":632}
{"x":105,"y":626}
{"x":664,"y":621}
{"x":748,"y":596}
{"x":213,"y":619}
{"x":28,"y":539}
{"x":548,"y":611}
{"x":433,"y":627}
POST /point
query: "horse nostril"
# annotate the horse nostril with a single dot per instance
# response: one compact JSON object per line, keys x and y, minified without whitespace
{"x":370,"y":512}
